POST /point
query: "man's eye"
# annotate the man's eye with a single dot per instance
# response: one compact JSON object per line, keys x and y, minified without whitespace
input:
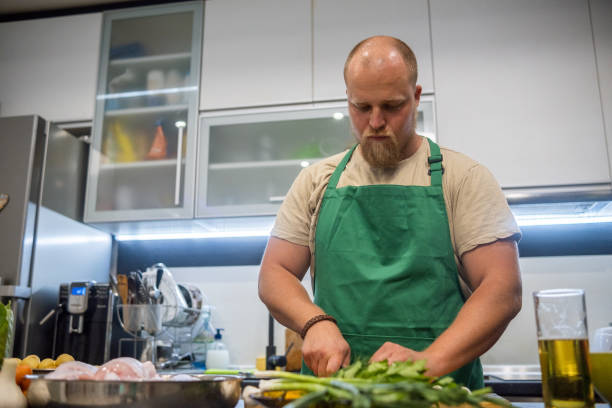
{"x":362,"y":108}
{"x":392,"y":107}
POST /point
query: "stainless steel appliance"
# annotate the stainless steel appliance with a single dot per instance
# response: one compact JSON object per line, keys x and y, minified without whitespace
{"x":42,"y":239}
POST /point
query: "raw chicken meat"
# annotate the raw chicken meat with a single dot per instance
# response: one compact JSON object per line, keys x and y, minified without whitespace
{"x":123,"y":368}
{"x":73,"y":370}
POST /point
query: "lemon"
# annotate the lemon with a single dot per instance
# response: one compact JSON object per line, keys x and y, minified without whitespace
{"x":63,"y":358}
{"x":32,"y":360}
{"x":46,"y":364}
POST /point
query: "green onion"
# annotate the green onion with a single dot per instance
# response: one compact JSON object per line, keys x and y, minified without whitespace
{"x":376,"y":385}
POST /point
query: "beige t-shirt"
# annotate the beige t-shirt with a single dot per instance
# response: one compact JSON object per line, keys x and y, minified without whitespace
{"x":477,"y":210}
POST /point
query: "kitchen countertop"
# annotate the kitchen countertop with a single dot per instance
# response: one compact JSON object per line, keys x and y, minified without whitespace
{"x":516,"y":404}
{"x":541,"y":405}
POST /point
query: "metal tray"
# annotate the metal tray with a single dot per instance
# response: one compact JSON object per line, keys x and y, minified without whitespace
{"x":212,"y":391}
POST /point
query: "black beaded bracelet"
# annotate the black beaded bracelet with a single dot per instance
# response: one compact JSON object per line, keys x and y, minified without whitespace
{"x":315,"y":320}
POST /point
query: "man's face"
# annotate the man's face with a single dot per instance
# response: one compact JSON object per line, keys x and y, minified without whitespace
{"x":382,"y":105}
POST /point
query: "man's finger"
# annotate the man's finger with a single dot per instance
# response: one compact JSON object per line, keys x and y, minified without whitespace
{"x":321,"y":366}
{"x":347,"y":358}
{"x":333,"y":364}
{"x":381,"y":354}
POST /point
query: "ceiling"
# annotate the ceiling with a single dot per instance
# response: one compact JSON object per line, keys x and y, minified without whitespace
{"x":57,"y":7}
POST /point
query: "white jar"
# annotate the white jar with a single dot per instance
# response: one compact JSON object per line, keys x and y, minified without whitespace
{"x":155,"y":82}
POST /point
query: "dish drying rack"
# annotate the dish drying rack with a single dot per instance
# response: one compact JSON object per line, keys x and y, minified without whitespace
{"x":146,"y":323}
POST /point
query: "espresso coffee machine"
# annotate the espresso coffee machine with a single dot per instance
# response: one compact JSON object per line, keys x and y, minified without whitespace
{"x":84,"y":322}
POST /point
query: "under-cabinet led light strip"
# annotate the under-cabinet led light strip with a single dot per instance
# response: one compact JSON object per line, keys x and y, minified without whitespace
{"x":523,"y":221}
{"x":533,"y":220}
{"x":193,"y":235}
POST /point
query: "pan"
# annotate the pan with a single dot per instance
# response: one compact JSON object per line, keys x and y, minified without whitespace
{"x":211,"y":391}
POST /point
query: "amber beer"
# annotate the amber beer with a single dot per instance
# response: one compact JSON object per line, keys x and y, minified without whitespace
{"x":566,"y":379}
{"x":564,"y":348}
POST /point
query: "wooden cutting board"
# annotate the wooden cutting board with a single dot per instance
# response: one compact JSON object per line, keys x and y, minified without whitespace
{"x":294,"y":357}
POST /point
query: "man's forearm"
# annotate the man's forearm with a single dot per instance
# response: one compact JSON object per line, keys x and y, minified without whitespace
{"x":286,"y":298}
{"x":479,"y":324}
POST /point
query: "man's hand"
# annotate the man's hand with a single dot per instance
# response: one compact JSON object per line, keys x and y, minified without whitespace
{"x":393,"y":352}
{"x":325,"y":350}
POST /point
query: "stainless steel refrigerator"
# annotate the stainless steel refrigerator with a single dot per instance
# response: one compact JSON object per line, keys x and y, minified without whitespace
{"x":42,"y":239}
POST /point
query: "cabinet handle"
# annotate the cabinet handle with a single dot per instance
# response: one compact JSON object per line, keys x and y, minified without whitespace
{"x":276,"y":199}
{"x":179,"y":153}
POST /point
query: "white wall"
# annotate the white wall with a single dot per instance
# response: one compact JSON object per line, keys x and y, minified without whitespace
{"x":233,"y":292}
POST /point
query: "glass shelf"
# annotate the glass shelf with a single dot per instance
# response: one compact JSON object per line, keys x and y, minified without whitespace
{"x":151,"y":60}
{"x":152,"y":111}
{"x":268,"y":163}
{"x":140,"y":164}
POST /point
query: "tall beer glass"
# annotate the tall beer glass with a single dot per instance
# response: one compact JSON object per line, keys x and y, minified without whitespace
{"x":563,"y":346}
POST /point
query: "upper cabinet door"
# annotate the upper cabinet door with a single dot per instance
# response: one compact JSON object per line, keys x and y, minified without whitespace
{"x":601,"y":15}
{"x":256,"y":53}
{"x":516,"y":89}
{"x":340,"y":24}
{"x":143,"y":151}
{"x":48,"y":67}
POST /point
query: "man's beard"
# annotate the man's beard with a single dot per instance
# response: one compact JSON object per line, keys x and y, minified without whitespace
{"x":380,"y":153}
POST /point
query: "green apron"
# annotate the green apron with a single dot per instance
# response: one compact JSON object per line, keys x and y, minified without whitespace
{"x":384,"y":265}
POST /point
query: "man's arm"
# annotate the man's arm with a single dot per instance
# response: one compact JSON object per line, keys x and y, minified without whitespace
{"x":283,"y":266}
{"x":492,"y":271}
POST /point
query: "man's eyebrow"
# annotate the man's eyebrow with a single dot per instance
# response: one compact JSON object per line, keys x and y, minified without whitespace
{"x":398,"y":100}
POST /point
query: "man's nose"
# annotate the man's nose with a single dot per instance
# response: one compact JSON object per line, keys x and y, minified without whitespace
{"x":377,"y":119}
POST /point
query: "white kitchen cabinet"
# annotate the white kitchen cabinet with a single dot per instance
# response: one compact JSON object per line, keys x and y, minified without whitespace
{"x":256,"y":53}
{"x":516,"y":89}
{"x":49,"y":67}
{"x":143,"y":151}
{"x":249,"y":158}
{"x":338,"y":25}
{"x":601,"y":16}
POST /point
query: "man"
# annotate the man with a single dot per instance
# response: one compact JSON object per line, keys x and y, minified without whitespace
{"x":390,"y":229}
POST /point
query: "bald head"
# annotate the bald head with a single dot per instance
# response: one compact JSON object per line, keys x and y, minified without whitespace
{"x":378,"y":52}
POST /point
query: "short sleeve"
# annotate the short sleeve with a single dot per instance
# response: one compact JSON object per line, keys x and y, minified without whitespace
{"x":481,"y":212}
{"x":293,"y":219}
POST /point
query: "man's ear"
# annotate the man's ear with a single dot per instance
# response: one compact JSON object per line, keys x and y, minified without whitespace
{"x":417,"y":92}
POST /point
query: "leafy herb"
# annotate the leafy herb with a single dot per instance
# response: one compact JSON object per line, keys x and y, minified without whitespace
{"x":376,"y":385}
{"x":6,"y":331}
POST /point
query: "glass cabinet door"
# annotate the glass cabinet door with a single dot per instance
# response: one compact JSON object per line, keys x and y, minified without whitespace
{"x":142,"y":161}
{"x":248,"y":161}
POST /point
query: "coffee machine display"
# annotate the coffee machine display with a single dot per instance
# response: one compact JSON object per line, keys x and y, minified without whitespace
{"x":84,"y":322}
{"x":78,"y":297}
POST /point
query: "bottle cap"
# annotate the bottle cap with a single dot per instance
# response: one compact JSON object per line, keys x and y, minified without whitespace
{"x":218,"y":335}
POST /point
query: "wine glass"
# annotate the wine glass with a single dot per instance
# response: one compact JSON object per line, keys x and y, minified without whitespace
{"x":601,"y":362}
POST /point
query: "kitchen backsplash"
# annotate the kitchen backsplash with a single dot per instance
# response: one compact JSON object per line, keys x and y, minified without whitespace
{"x":233,"y":293}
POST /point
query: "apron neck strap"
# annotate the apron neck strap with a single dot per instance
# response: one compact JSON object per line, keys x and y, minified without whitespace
{"x":333,"y":181}
{"x":435,"y":164}
{"x":434,"y":160}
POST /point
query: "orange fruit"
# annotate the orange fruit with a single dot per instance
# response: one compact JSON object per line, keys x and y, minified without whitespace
{"x":20,"y":373}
